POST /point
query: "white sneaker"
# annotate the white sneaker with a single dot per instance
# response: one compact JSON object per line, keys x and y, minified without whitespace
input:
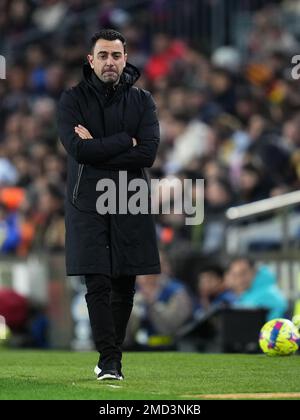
{"x":97,"y":370}
{"x":108,"y":374}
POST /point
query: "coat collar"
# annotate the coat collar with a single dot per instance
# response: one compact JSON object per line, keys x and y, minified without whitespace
{"x":129,"y":76}
{"x":106,"y":92}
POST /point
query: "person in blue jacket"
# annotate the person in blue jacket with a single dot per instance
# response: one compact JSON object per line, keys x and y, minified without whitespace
{"x":10,"y":234}
{"x":255,"y":287}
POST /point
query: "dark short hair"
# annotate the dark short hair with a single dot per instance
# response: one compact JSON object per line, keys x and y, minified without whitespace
{"x":217,"y":269}
{"x":248,"y":260}
{"x":109,"y":35}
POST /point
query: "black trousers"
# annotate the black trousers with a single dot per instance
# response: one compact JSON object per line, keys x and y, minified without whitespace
{"x":109,"y":301}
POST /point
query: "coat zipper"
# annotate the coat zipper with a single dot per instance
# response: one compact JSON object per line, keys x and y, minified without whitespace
{"x":75,"y":191}
{"x":146,"y":178}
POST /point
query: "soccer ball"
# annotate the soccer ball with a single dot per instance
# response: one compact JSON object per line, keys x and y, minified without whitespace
{"x":279,"y":337}
{"x":296,"y":321}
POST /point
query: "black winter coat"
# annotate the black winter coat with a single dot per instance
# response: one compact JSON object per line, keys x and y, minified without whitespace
{"x":112,"y":244}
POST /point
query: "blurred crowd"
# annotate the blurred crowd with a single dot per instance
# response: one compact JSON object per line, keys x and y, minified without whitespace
{"x":230,"y":116}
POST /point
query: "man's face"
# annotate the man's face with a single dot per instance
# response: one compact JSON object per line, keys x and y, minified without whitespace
{"x":240,"y":276}
{"x":108,"y":60}
{"x":209,"y":284}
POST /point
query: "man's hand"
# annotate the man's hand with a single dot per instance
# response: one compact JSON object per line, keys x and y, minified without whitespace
{"x":83,"y":132}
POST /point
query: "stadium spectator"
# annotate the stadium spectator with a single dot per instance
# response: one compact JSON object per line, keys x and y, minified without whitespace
{"x":255,"y":287}
{"x":27,"y":320}
{"x":50,"y":231}
{"x":165,"y":53}
{"x":253,"y":185}
{"x":212,"y":291}
{"x":162,"y":306}
{"x":14,"y":307}
{"x":190,"y":141}
{"x":10,"y":235}
{"x":219,"y":196}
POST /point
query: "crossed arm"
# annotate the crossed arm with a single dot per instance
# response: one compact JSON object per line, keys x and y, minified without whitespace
{"x":84,"y":134}
{"x":120,"y":150}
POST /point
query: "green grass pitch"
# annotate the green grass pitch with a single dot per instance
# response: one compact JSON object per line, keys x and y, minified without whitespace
{"x":167,"y":376}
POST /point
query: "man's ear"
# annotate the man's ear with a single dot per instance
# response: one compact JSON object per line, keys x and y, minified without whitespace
{"x":125,"y":57}
{"x":90,"y":60}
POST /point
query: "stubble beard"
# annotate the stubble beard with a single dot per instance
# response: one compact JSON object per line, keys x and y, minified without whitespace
{"x":113,"y":79}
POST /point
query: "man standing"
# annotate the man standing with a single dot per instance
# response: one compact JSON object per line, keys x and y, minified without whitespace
{"x":106,"y":126}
